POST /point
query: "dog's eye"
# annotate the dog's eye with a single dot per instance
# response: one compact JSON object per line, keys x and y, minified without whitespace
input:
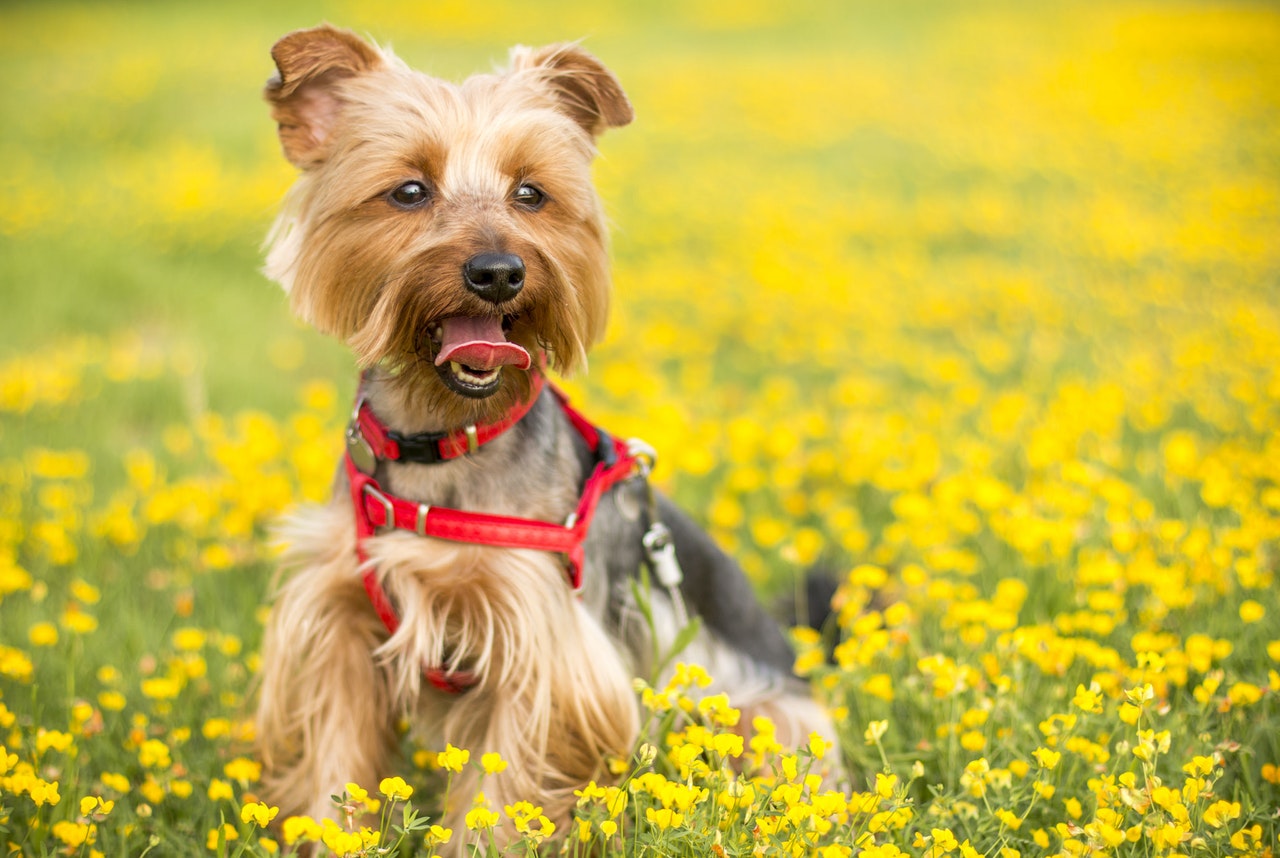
{"x":529,"y":197}
{"x":410,"y":195}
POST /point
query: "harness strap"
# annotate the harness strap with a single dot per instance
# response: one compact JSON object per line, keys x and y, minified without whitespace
{"x":377,"y":509}
{"x":430,"y":448}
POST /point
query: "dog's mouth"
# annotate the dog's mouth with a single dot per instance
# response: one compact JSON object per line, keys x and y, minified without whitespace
{"x":471,"y":351}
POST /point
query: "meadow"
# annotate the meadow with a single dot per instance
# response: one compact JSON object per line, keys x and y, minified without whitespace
{"x":973,"y":304}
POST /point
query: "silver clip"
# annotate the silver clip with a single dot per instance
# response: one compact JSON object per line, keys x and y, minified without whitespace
{"x":421,"y":526}
{"x":473,"y":441}
{"x":660,"y":549}
{"x":643,"y":452}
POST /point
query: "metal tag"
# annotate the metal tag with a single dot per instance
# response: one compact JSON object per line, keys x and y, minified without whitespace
{"x":360,"y":450}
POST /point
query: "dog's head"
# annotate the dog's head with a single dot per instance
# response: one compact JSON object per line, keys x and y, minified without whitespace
{"x":450,"y":231}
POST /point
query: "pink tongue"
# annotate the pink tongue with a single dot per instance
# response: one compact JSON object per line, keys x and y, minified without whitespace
{"x":478,"y":342}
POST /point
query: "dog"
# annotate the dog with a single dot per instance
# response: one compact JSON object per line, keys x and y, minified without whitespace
{"x":475,"y":572}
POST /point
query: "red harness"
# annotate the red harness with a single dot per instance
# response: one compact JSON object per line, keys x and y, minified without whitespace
{"x":375,"y":508}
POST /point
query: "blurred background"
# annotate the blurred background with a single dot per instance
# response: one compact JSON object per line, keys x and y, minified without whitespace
{"x":857,"y":243}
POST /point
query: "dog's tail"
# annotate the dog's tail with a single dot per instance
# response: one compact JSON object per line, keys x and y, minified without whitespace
{"x":809,"y":604}
{"x":813,"y":597}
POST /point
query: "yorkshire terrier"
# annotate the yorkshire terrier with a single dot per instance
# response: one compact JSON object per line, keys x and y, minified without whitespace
{"x":475,"y":572}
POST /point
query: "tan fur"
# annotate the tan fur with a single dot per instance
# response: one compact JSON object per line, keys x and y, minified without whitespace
{"x":367,"y":123}
{"x":553,"y":694}
{"x":327,"y":706}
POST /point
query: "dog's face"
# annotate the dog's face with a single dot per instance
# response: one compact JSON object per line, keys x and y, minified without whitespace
{"x":449,"y":231}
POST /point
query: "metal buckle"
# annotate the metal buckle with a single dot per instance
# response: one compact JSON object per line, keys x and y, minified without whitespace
{"x":420,"y":527}
{"x":473,"y":440}
{"x":388,"y":508}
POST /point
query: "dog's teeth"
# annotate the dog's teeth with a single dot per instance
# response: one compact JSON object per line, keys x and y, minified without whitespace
{"x":472,"y":376}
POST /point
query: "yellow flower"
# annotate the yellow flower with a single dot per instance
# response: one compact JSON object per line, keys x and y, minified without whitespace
{"x":395,"y":789}
{"x":297,"y":828}
{"x":1009,"y":819}
{"x":1244,"y":694}
{"x":1046,"y":758}
{"x":879,"y":685}
{"x":220,"y":789}
{"x":74,"y":834}
{"x":480,"y":817}
{"x":154,"y":754}
{"x":727,"y":744}
{"x":115,"y":781}
{"x":52,"y":740}
{"x":85,"y":592}
{"x":1245,"y":840}
{"x":716,"y":709}
{"x":341,"y":843}
{"x":161,"y":688}
{"x":663,"y":818}
{"x":188,"y":639}
{"x":1221,"y":812}
{"x":75,"y":620}
{"x":453,"y":759}
{"x":151,"y":790}
{"x":357,"y":794}
{"x":112,"y":701}
{"x":492,"y":763}
{"x":1089,"y":699}
{"x":224,"y":834}
{"x":875,"y":731}
{"x":1251,"y":611}
{"x":43,"y":634}
{"x":258,"y":813}
{"x":243,"y":770}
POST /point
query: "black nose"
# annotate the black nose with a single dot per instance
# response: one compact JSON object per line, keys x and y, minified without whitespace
{"x":495,"y":277}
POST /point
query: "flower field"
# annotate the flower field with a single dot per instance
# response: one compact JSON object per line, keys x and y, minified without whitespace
{"x":975,"y":305}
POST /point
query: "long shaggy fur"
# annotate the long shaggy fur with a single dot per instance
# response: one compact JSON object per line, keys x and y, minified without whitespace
{"x":329,"y":707}
{"x":552,"y":668}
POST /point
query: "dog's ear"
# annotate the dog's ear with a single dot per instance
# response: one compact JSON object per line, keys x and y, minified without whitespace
{"x":303,"y":102}
{"x":584,"y":89}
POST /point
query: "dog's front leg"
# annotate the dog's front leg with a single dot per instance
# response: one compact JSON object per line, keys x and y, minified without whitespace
{"x":325,"y":716}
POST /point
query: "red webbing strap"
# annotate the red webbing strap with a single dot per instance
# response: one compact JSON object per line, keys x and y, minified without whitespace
{"x":584,"y":427}
{"x":376,"y":509}
{"x":450,"y":445}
